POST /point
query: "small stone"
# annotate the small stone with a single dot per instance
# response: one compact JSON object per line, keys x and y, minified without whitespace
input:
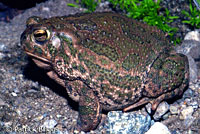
{"x":19,"y":112}
{"x":193,"y":35}
{"x":58,"y":115}
{"x":2,"y":102}
{"x":162,"y":109}
{"x":2,"y":55}
{"x":20,"y":76}
{"x":76,"y":132}
{"x":66,"y":132}
{"x":166,"y":116}
{"x":158,"y":128}
{"x":3,"y":47}
{"x":188,"y":121}
{"x":186,"y":112}
{"x":46,"y":9}
{"x":174,"y":108}
{"x":16,"y":90}
{"x":191,"y":131}
{"x":189,"y":93}
{"x":13,"y":78}
{"x":194,"y":104}
{"x":59,"y":132}
{"x":192,"y":86}
{"x":40,"y":117}
{"x":127,"y":123}
{"x":148,"y":108}
{"x":14,"y":94}
{"x":50,"y":123}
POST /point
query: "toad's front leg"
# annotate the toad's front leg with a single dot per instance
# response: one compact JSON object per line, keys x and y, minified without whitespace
{"x":89,"y":110}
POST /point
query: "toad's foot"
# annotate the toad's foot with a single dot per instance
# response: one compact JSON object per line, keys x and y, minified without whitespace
{"x":89,"y":111}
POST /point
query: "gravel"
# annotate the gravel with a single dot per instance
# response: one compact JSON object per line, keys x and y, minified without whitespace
{"x":29,"y":101}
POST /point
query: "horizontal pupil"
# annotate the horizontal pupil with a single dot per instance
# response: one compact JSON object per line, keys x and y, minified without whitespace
{"x":40,"y":35}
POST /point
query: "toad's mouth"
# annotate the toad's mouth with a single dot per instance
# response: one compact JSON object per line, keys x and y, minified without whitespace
{"x":40,"y":61}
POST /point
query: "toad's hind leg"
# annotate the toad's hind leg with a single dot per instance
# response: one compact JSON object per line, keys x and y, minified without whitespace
{"x":167,"y":78}
{"x":157,"y":101}
{"x":89,"y":110}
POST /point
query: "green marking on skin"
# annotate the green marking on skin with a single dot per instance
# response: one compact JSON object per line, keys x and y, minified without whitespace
{"x":38,"y":50}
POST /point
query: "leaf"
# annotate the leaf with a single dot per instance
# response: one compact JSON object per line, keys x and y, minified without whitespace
{"x":73,"y":5}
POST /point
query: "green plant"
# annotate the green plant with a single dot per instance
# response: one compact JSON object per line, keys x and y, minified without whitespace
{"x":89,"y":4}
{"x":193,"y":16}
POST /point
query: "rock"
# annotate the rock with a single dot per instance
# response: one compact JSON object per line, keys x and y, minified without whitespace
{"x":191,"y":48}
{"x":186,"y":112}
{"x":66,"y":132}
{"x":158,"y":128}
{"x":3,"y":47}
{"x":14,"y":94}
{"x":188,"y":121}
{"x":189,"y":93}
{"x":162,"y":109}
{"x":50,"y":123}
{"x":193,"y":35}
{"x":127,"y":123}
{"x":174,"y":108}
{"x":40,"y":117}
{"x":2,"y":102}
{"x":194,"y":104}
{"x":2,"y":55}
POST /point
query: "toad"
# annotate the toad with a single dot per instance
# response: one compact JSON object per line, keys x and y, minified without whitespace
{"x":106,"y":61}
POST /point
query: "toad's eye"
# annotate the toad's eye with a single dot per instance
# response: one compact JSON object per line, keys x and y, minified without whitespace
{"x":41,"y":35}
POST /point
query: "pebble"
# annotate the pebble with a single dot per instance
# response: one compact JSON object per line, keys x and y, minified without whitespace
{"x":50,"y":123}
{"x":40,"y":117}
{"x":14,"y":94}
{"x":59,"y":132}
{"x":174,"y":109}
{"x":193,"y":35}
{"x":158,"y":128}
{"x":58,"y":115}
{"x":16,"y":90}
{"x":18,"y":112}
{"x":46,"y":9}
{"x":127,"y":123}
{"x":66,"y":132}
{"x":194,"y":104}
{"x":3,"y":47}
{"x":188,"y":121}
{"x":191,"y":102}
{"x":2,"y":102}
{"x":162,"y":109}
{"x":189,"y":93}
{"x":2,"y":55}
{"x":186,"y":112}
{"x":77,"y":132}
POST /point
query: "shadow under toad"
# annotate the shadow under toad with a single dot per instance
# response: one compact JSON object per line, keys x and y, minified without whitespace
{"x":33,"y":72}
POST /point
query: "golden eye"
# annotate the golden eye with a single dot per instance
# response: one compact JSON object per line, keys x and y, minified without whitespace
{"x":41,"y":35}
